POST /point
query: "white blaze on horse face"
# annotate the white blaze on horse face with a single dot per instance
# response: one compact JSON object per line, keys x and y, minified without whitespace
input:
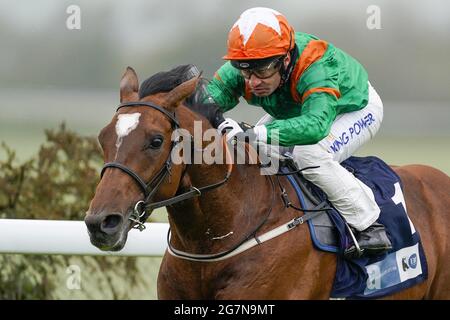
{"x":124,"y":125}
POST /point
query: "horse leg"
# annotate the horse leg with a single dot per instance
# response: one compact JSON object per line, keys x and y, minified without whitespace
{"x":176,"y":281}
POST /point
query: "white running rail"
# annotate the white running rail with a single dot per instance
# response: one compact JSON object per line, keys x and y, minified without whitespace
{"x":71,"y":238}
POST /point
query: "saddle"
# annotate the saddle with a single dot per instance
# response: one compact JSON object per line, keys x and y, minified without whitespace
{"x":365,"y":277}
{"x":324,"y":234}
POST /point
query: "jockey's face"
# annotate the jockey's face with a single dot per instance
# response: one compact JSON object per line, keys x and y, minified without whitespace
{"x":265,"y":87}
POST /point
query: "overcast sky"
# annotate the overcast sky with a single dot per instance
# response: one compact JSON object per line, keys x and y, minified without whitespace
{"x":133,"y":18}
{"x":407,"y":57}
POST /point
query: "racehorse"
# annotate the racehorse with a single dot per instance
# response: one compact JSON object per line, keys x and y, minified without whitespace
{"x":212,"y":208}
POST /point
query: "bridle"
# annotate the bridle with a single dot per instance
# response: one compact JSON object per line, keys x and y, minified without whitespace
{"x":143,"y":208}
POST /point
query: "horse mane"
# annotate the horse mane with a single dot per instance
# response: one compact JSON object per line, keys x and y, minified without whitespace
{"x":166,"y":81}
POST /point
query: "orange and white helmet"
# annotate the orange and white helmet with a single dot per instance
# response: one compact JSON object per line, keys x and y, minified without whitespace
{"x":259,"y":33}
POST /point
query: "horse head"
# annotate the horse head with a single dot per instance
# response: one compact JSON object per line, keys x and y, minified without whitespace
{"x":137,"y":146}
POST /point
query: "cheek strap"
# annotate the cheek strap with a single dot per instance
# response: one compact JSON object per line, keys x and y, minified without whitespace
{"x":285,"y":72}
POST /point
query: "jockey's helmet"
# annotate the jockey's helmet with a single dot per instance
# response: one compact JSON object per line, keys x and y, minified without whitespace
{"x":260,"y":33}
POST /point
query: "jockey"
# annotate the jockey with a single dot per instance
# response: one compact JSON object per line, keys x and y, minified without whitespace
{"x":317,"y":98}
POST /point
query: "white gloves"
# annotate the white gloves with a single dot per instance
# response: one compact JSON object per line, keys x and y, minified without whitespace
{"x":230,"y":128}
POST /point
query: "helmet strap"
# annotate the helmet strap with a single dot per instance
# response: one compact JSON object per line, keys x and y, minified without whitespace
{"x":285,"y":72}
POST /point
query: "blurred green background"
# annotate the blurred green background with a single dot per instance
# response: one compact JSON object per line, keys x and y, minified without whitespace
{"x":50,"y":74}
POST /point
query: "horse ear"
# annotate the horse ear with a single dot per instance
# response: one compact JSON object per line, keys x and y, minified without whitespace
{"x":180,"y":93}
{"x":129,"y":86}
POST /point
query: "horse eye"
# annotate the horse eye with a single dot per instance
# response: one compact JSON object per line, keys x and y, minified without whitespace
{"x":156,"y":142}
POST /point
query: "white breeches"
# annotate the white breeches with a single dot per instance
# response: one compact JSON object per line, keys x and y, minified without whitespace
{"x":352,"y":198}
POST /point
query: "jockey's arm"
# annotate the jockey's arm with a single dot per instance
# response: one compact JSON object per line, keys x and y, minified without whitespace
{"x":318,"y":114}
{"x":226,"y":87}
{"x":213,"y":98}
{"x":318,"y":90}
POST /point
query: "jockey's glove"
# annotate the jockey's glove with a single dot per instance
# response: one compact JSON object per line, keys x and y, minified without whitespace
{"x":253,"y":133}
{"x":230,"y":128}
{"x":248,"y":136}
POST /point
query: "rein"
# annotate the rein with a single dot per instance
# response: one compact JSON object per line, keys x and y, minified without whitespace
{"x":253,"y":240}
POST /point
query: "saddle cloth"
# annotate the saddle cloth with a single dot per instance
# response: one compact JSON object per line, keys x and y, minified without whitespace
{"x":364,"y":278}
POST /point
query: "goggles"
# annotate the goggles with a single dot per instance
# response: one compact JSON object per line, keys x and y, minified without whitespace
{"x":261,"y":69}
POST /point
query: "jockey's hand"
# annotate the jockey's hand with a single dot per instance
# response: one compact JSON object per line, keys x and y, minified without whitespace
{"x":248,"y":136}
{"x":230,"y":128}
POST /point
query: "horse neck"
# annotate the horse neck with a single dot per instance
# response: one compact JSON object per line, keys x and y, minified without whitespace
{"x":223,"y":216}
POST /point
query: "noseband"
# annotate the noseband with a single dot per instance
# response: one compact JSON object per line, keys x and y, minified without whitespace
{"x":143,"y":208}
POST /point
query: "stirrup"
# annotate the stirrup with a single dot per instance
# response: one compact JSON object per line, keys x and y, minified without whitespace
{"x":354,"y":251}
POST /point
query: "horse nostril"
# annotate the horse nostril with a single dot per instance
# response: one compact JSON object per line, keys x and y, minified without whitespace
{"x":92,"y":223}
{"x":111,"y":223}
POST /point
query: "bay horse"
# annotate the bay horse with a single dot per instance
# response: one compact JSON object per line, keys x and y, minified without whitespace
{"x":239,"y":204}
